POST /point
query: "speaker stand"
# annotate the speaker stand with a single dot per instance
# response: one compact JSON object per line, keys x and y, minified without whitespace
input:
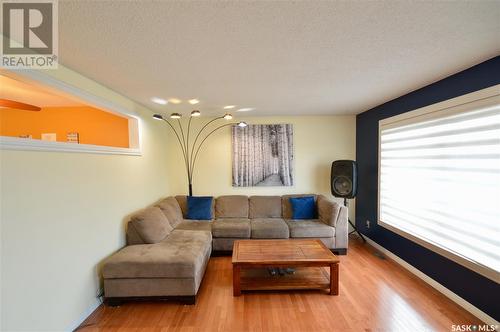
{"x":354,"y":228}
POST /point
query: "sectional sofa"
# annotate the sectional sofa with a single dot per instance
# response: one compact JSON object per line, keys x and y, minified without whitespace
{"x":166,"y":255}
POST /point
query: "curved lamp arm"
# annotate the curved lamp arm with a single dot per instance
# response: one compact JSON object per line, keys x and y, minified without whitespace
{"x":188,"y":132}
{"x":180,"y":142}
{"x":190,"y":153}
{"x":199,"y":133}
{"x":203,"y":141}
{"x":185,"y":147}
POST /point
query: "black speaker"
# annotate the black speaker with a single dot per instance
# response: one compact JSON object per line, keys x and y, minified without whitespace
{"x":344,"y":178}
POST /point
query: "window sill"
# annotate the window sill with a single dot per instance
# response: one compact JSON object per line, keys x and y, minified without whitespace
{"x":15,"y":143}
{"x":476,"y":267}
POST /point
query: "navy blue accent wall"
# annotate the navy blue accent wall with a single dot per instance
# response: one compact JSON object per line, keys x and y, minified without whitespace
{"x":476,"y":289}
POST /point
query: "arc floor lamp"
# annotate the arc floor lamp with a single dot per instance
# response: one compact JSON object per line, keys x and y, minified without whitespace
{"x":190,"y":151}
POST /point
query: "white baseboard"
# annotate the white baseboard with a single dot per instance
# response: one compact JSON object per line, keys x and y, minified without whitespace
{"x":436,"y":285}
{"x":84,"y":315}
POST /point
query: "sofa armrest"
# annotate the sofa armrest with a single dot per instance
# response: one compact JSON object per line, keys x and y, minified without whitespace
{"x":335,"y":215}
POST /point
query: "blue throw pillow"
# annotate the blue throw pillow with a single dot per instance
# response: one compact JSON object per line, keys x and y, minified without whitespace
{"x":199,"y":208}
{"x":303,"y":207}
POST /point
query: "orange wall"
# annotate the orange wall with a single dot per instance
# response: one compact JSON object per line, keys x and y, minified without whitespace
{"x":94,"y":126}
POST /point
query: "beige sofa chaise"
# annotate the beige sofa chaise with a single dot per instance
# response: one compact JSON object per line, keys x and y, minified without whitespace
{"x":166,"y":255}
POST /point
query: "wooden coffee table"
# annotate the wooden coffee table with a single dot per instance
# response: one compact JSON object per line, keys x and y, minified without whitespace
{"x":251,"y":258}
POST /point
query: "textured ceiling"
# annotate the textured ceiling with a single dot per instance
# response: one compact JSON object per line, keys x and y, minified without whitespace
{"x":305,"y":57}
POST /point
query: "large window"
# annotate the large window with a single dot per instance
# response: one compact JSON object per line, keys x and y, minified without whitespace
{"x":439,"y":178}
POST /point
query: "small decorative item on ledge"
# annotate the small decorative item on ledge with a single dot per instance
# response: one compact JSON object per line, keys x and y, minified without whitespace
{"x":51,"y":137}
{"x":72,"y":138}
{"x":190,"y":151}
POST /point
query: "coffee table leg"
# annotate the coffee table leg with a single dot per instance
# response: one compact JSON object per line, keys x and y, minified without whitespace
{"x":334,"y":279}
{"x":236,"y":280}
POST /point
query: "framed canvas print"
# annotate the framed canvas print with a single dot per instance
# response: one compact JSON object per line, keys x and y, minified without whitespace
{"x":263,"y":155}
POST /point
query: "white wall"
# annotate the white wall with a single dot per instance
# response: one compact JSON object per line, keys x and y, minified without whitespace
{"x":63,"y":213}
{"x":318,"y":140}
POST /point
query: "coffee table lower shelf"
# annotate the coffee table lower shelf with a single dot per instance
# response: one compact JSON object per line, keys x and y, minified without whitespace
{"x":258,"y":279}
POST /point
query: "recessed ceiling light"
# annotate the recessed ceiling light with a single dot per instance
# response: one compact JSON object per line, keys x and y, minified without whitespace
{"x":228,"y":107}
{"x":248,"y":109}
{"x":175,"y":101}
{"x":193,"y":101}
{"x":159,"y":101}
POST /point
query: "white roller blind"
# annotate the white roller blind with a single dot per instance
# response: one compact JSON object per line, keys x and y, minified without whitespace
{"x":439,"y":181}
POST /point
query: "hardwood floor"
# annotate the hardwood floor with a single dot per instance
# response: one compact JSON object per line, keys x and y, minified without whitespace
{"x":375,"y":295}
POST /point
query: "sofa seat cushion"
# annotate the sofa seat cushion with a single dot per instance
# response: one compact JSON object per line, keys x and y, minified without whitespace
{"x":180,"y":255}
{"x":231,"y":228}
{"x":309,"y":228}
{"x":269,"y":228}
{"x":195,"y":225}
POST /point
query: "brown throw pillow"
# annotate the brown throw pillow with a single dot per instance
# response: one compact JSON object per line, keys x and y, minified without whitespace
{"x":151,"y":225}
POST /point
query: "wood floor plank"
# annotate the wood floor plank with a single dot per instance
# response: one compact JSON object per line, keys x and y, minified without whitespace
{"x":375,"y":295}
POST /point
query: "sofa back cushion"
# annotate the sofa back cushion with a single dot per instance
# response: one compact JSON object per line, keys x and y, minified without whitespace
{"x":264,"y":207}
{"x":182,"y":200}
{"x":132,"y":235}
{"x":234,"y":206}
{"x":287,"y":206}
{"x":151,"y":225}
{"x":171,"y":209}
{"x":328,"y":210}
